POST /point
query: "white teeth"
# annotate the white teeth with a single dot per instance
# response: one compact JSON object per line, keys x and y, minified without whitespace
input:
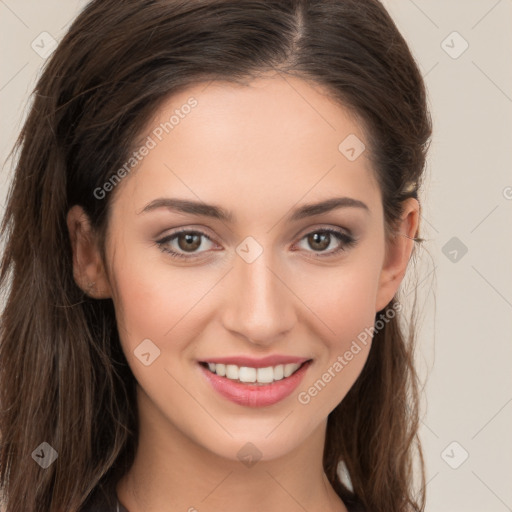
{"x":279,"y":372}
{"x":247,"y":374}
{"x":232,"y":371}
{"x":289,"y":369}
{"x":265,"y":374}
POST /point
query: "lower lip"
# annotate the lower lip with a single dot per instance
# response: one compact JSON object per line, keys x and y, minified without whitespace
{"x":251,"y":395}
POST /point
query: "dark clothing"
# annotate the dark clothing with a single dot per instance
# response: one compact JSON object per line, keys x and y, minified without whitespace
{"x":103,"y":502}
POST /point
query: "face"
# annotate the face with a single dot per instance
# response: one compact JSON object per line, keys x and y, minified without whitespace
{"x":269,"y":283}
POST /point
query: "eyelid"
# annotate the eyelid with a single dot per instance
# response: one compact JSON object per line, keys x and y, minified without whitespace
{"x":323,"y":227}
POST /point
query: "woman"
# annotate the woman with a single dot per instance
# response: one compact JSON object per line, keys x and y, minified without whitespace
{"x":213,"y":208}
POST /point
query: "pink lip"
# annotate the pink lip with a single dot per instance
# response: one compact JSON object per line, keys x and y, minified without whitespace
{"x":264,"y":362}
{"x":251,"y":395}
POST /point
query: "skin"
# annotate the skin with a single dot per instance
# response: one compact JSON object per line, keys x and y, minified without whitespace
{"x":258,"y":151}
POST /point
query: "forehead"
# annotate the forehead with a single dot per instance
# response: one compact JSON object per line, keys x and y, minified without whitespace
{"x":275,"y":139}
{"x":262,"y":113}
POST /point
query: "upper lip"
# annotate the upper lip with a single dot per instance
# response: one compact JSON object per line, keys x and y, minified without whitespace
{"x":251,"y":362}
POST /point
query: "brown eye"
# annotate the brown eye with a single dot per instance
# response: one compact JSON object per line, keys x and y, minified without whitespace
{"x":184,"y":244}
{"x":320,"y":240}
{"x":189,"y":241}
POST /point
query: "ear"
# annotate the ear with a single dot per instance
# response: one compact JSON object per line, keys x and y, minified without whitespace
{"x":398,"y":253}
{"x":88,"y":269}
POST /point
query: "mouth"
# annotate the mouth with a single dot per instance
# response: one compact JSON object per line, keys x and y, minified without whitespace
{"x":252,"y":375}
{"x":258,"y":385}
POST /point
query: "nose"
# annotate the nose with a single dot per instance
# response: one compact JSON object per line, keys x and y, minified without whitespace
{"x":260,"y":304}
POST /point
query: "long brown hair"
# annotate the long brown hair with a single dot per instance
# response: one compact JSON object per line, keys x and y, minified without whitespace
{"x":64,"y":379}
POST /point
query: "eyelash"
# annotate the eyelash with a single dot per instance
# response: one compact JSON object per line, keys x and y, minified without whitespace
{"x":347,"y":242}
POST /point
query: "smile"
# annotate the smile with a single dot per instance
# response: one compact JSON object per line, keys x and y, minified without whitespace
{"x":251,"y":386}
{"x":248,"y":374}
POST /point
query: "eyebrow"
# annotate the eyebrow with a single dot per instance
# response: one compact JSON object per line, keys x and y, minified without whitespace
{"x":217,"y":212}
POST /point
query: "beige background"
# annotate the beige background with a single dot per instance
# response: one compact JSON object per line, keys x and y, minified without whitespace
{"x":466,"y":299}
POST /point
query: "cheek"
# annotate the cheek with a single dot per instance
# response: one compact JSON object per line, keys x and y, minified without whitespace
{"x":157,"y":302}
{"x":143,"y":303}
{"x":156,"y":313}
{"x":344,"y":303}
{"x":353,"y":306}
{"x":343,"y":300}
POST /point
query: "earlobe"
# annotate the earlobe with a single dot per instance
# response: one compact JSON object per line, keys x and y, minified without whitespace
{"x":398,"y":253}
{"x":88,"y":270}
